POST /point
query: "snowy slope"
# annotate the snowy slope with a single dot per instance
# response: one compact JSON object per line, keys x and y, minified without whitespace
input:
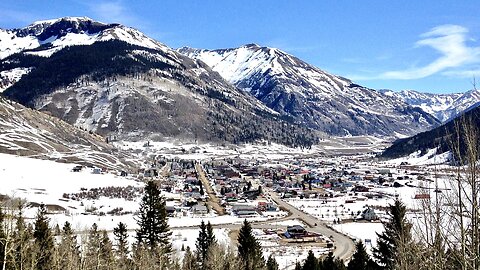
{"x":310,"y":96}
{"x":443,"y":106}
{"x":27,"y":132}
{"x":10,"y":77}
{"x":44,"y":38}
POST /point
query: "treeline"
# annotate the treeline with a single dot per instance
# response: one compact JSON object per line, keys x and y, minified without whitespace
{"x":36,"y":246}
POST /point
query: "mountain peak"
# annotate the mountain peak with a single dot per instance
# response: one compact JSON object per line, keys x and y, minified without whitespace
{"x":251,"y":45}
{"x":67,"y":18}
{"x":309,"y":95}
{"x":43,"y":38}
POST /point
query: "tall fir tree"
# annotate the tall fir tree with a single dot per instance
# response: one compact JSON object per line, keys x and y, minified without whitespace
{"x":68,"y":249}
{"x":201,"y":244}
{"x":43,"y":241}
{"x":153,"y":231}
{"x":272,"y":263}
{"x":332,"y":263}
{"x":106,"y":253}
{"x":311,"y":263}
{"x":121,"y":251}
{"x":211,"y":240}
{"x":393,"y":243}
{"x":249,"y":248}
{"x":205,"y":239}
{"x":91,"y":258}
{"x":360,"y":259}
{"x":22,"y":238}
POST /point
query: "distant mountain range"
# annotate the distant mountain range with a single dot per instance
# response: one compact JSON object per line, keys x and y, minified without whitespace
{"x":118,"y":82}
{"x":305,"y":94}
{"x":443,"y":106}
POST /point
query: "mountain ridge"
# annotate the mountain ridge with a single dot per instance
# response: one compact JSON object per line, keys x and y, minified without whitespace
{"x":310,"y":96}
{"x":120,"y":89}
{"x":443,"y":106}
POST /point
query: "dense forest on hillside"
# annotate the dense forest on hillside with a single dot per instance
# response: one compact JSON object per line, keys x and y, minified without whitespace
{"x":99,"y":60}
{"x":443,"y":137}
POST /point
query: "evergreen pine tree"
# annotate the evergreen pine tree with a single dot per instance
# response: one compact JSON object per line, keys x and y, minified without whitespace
{"x":106,"y":252}
{"x":211,"y":240}
{"x":272,"y":263}
{"x":360,"y":259}
{"x":202,"y":244}
{"x":68,"y":249}
{"x":332,"y":263}
{"x":92,"y":247}
{"x":392,"y":244}
{"x":311,"y":263}
{"x":249,"y":249}
{"x":121,"y":239}
{"x":205,"y":240}
{"x":153,"y":228}
{"x":43,"y":241}
{"x":298,"y":266}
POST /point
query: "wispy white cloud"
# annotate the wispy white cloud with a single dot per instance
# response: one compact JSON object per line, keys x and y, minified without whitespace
{"x":448,"y":40}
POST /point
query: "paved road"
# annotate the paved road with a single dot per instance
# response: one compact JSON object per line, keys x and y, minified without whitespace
{"x":344,"y":245}
{"x":213,"y":200}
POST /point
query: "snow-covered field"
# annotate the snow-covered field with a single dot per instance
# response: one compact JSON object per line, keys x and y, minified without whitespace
{"x":266,"y":152}
{"x":429,"y":158}
{"x":362,"y":231}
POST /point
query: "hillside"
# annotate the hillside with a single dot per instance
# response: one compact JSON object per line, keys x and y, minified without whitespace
{"x":28,"y":132}
{"x":445,"y":137}
{"x":305,"y":94}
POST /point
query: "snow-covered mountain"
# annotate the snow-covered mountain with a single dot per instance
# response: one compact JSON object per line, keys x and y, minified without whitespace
{"x":119,"y":83}
{"x":310,"y":96}
{"x":443,"y":106}
{"x":43,"y":38}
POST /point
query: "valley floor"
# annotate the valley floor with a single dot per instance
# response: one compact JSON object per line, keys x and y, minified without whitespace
{"x":331,"y":205}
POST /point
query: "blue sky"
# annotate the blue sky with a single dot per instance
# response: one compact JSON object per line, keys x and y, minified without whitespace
{"x":428,"y":45}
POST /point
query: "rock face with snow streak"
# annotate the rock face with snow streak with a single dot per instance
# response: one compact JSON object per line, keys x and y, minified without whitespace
{"x":312,"y":97}
{"x":443,"y":106}
{"x":125,"y":85}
